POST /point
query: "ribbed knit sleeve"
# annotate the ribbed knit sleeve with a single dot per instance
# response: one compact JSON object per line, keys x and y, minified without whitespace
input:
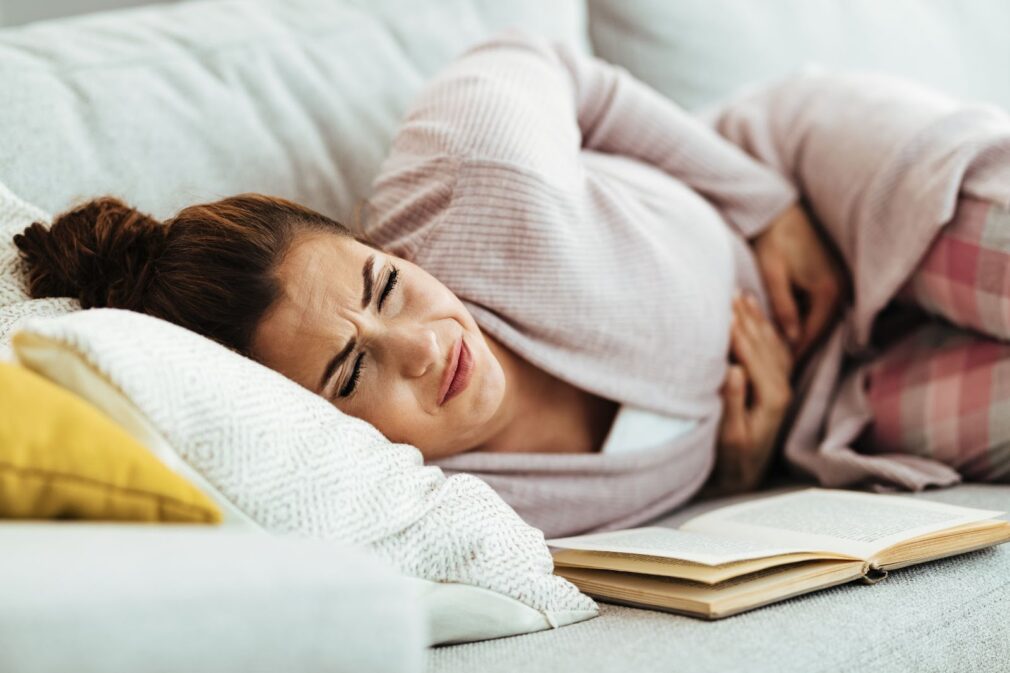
{"x":514,"y":99}
{"x":619,"y":114}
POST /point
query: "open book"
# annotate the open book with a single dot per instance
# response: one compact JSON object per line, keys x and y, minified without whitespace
{"x":744,"y":556}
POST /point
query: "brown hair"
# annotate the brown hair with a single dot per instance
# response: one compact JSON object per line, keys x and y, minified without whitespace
{"x":211,"y":268}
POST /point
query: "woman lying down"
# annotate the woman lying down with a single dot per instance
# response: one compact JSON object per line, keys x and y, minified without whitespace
{"x":555,"y":256}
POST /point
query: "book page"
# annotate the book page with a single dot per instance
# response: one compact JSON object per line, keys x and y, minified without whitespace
{"x":847,"y":522}
{"x":676,"y":544}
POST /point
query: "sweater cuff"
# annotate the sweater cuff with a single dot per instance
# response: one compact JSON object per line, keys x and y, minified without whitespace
{"x":754,"y":215}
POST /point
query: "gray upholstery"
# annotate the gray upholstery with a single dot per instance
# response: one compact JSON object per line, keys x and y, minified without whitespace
{"x":134,"y":598}
{"x":944,"y":616}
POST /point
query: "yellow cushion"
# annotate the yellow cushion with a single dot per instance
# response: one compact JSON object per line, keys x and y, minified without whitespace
{"x":60,"y":457}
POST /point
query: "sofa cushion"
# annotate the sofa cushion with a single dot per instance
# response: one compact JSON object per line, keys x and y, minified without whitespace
{"x":938,"y":617}
{"x":698,"y":51}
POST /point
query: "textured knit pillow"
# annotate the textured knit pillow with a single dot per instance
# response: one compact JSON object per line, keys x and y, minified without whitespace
{"x":293,"y":463}
{"x":61,"y":458}
{"x":15,"y":304}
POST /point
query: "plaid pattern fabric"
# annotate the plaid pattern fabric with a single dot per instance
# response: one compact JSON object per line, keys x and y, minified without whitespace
{"x":942,"y":390}
{"x":965,"y":275}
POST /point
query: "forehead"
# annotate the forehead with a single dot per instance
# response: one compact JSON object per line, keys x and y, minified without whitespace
{"x":322,"y":268}
{"x":315,"y":257}
{"x":320,"y":283}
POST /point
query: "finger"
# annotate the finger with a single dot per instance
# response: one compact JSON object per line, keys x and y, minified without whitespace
{"x":754,"y":346}
{"x":734,"y":393}
{"x":771,"y":338}
{"x":767,"y":378}
{"x":823,"y":304}
{"x":742,"y":339}
{"x":770,"y":381}
{"x":781,"y":298}
{"x":762,"y":328}
{"x":745,"y":317}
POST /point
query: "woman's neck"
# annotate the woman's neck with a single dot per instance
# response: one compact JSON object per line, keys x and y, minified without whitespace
{"x":531,"y":418}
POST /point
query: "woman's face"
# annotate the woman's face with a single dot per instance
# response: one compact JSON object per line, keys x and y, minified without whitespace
{"x":380,"y":350}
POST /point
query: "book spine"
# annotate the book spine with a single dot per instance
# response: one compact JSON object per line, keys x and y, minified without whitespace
{"x":872,"y":573}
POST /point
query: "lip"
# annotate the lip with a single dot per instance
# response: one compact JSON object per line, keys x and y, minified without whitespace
{"x":452,"y":384}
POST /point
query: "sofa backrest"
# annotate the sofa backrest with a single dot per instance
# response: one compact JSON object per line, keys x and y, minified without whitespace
{"x":697,"y":51}
{"x":174,"y":104}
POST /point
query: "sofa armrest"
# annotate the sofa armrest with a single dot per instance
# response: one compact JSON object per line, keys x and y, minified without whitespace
{"x":111,"y":597}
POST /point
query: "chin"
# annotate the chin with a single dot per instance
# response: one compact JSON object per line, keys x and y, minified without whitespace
{"x":440,"y":452}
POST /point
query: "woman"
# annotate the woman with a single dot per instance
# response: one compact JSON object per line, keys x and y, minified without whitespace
{"x":548,"y":229}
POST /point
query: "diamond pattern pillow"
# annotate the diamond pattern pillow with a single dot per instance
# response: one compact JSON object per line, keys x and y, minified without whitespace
{"x":15,"y":304}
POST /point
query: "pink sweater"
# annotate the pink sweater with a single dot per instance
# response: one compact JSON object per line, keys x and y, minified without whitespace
{"x":881,"y":163}
{"x":596,"y":229}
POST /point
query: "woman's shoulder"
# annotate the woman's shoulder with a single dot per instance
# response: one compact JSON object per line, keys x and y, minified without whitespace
{"x":409,"y":196}
{"x":415,"y":195}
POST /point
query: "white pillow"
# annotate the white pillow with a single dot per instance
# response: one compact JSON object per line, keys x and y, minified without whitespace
{"x":15,"y":304}
{"x":281,"y":456}
{"x":699,"y":51}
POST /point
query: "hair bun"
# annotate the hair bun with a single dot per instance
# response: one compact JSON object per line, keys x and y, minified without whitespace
{"x":102,"y":253}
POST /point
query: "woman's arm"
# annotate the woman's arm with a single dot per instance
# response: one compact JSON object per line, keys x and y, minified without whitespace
{"x":513,"y":99}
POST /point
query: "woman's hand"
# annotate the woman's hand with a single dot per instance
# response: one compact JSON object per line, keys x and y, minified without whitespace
{"x":750,"y":423}
{"x":791,"y":254}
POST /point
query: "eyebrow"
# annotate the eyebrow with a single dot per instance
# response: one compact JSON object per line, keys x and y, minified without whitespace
{"x":366,"y":299}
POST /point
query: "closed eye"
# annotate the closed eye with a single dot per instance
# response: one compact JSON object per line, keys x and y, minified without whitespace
{"x":390,"y":284}
{"x":351,"y":385}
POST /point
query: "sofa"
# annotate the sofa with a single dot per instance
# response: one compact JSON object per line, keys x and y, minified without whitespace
{"x":115,"y":597}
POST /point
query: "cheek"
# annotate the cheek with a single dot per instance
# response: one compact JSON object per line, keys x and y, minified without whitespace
{"x":395,"y":412}
{"x":424,"y":292}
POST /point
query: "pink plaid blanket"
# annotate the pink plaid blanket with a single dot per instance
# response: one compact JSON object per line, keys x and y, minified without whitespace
{"x":941,"y":387}
{"x":882,"y":164}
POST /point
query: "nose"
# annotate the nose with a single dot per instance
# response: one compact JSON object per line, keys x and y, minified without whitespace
{"x":416,"y":349}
